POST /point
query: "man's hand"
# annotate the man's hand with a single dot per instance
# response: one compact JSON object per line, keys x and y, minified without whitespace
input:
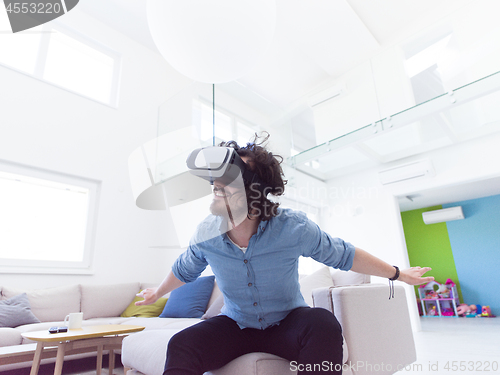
{"x":149,"y":296}
{"x":414,"y":275}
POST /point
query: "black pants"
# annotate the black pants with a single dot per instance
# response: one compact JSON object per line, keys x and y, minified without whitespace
{"x":311,"y":338}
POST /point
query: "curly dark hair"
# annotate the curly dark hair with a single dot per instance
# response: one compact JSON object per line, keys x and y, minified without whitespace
{"x":268,"y":167}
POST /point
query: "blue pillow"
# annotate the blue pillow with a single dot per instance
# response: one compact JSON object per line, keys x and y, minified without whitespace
{"x":190,"y":300}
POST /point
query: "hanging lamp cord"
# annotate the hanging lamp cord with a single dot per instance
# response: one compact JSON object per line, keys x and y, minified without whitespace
{"x":213,"y":114}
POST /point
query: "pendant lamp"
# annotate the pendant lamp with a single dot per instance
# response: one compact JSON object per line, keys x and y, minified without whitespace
{"x":212,"y":41}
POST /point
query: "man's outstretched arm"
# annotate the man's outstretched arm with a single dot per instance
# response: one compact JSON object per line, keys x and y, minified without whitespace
{"x":151,"y":295}
{"x":368,"y":264}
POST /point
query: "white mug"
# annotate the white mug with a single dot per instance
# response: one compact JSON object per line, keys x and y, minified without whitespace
{"x":73,"y":320}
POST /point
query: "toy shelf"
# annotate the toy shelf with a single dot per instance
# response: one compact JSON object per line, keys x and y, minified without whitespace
{"x":439,"y":300}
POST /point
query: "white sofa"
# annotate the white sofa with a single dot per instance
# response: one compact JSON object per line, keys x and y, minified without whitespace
{"x":378,"y":338}
{"x":100,"y":304}
{"x":376,"y":330}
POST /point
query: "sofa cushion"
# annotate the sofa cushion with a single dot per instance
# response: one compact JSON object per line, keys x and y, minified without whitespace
{"x":190,"y":300}
{"x":146,"y":351}
{"x":214,"y":308}
{"x":319,"y":279}
{"x":216,"y":293}
{"x":256,"y":364}
{"x":10,"y":336}
{"x":102,"y":301}
{"x":16,"y":311}
{"x":162,"y":323}
{"x":345,"y":278}
{"x":50,"y":304}
{"x":144,"y":311}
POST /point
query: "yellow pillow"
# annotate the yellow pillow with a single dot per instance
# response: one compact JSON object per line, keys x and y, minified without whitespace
{"x":144,"y":311}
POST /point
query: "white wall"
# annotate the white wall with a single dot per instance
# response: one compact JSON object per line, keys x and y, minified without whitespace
{"x":47,"y":127}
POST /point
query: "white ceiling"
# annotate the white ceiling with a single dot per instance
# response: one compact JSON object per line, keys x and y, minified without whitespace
{"x":315,"y":42}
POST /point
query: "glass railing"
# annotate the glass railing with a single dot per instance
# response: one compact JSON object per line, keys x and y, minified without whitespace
{"x":468,"y":112}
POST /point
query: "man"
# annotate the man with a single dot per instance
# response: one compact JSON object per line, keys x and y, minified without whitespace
{"x":253,"y":248}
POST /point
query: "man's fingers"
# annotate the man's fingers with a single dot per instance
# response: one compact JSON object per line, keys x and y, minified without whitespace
{"x":415,"y":275}
{"x":427,"y":279}
{"x":424,"y":280}
{"x":422,"y":270}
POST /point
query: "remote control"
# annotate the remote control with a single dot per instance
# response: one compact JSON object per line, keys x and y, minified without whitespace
{"x":58,"y":329}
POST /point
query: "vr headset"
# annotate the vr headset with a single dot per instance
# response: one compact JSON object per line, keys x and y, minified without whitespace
{"x":222,"y":164}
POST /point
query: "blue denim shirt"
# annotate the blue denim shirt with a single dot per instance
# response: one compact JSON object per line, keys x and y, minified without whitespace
{"x":261,"y":286}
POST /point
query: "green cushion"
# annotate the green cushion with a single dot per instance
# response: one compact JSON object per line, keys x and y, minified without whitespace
{"x":144,"y":311}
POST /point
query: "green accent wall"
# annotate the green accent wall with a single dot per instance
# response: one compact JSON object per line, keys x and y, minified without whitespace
{"x":429,"y":246}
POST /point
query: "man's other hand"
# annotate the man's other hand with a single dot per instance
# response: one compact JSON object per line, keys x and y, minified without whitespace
{"x":149,"y":296}
{"x":414,"y":275}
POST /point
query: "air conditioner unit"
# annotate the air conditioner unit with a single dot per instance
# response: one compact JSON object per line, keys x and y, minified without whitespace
{"x":440,"y":216}
{"x":410,"y":171}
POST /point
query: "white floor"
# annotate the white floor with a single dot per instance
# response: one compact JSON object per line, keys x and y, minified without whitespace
{"x":457,"y":346}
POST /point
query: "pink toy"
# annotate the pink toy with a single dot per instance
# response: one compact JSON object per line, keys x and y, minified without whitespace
{"x":463,"y":309}
{"x":431,"y":294}
{"x":449,"y":283}
{"x":443,"y":292}
{"x":447,"y":312}
{"x":442,"y":296}
{"x":486,"y":312}
{"x":432,"y":311}
{"x":473,"y":311}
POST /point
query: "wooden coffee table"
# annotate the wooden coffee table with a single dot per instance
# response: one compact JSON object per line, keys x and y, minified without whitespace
{"x":83,"y":340}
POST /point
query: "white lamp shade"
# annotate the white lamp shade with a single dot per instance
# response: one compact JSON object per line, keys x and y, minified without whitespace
{"x":212,"y":41}
{"x":178,"y":190}
{"x":159,"y":175}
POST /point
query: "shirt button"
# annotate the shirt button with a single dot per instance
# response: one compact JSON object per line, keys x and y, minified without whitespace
{"x":245,"y":261}
{"x":255,"y":303}
{"x":249,"y":284}
{"x":260,"y":320}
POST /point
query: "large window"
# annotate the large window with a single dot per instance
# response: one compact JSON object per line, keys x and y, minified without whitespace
{"x":46,"y":221}
{"x":58,"y":55}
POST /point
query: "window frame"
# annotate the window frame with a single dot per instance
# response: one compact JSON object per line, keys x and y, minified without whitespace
{"x":84,"y":267}
{"x":54,"y":26}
